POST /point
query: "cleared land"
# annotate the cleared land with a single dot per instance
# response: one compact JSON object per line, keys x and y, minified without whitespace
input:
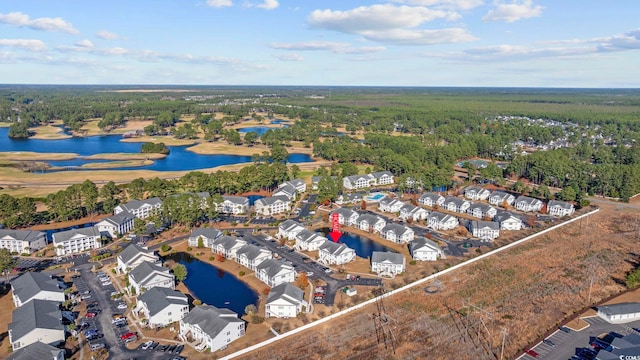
{"x":527,"y":290}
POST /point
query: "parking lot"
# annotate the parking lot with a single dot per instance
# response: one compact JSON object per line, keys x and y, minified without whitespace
{"x":262,"y":220}
{"x":564,"y":345}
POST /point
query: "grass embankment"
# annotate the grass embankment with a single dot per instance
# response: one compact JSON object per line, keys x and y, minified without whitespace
{"x":125,"y":156}
{"x":35,"y":156}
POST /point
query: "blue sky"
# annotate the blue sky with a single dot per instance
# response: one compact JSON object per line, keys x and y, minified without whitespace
{"x":533,"y":43}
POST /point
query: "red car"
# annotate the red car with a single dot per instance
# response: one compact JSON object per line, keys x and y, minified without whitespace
{"x":91,"y":314}
{"x":532,"y":353}
{"x":128,"y":335}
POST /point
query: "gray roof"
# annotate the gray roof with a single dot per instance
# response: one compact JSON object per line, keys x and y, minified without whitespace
{"x":431,"y":195}
{"x":289,"y":224}
{"x":502,"y":215}
{"x":272,"y":267}
{"x":475,"y":189}
{"x":483,"y":207}
{"x":345,"y":212}
{"x":288,"y":189}
{"x":35,"y":314}
{"x":382,"y":256}
{"x":227,"y":242}
{"x":136,"y":204}
{"x":158,"y":298}
{"x":379,"y":174}
{"x":295,"y":182}
{"x":502,"y":195}
{"x":316,"y":179}
{"x":526,"y":199}
{"x":335,"y":248}
{"x":30,"y":283}
{"x":266,"y":201}
{"x":354,"y":178}
{"x":207,"y":233}
{"x":210,"y":319}
{"x":352,"y":197}
{"x":250,"y":251}
{"x":286,"y":291}
{"x":37,"y":350}
{"x":142,"y":271}
{"x":63,"y":236}
{"x":619,"y":309}
{"x":562,"y":204}
{"x":370,"y":218}
{"x":132,"y":251}
{"x":396,"y":229}
{"x":120,"y":218}
{"x":241,"y":200}
{"x":420,"y":242}
{"x":485,"y":224}
{"x":457,"y":201}
{"x":440,"y":216}
{"x":23,"y":235}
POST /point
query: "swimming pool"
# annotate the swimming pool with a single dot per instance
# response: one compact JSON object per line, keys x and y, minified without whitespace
{"x":375,"y":196}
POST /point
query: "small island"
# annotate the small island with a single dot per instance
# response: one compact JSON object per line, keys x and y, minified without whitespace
{"x":156,"y":148}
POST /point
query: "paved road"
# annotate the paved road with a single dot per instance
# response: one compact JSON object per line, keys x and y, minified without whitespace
{"x":614,"y":203}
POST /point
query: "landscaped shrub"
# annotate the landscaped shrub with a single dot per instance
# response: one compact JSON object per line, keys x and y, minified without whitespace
{"x":412,"y":262}
{"x":241,"y":273}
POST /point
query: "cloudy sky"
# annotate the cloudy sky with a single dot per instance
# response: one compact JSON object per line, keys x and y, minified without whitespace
{"x":533,"y":43}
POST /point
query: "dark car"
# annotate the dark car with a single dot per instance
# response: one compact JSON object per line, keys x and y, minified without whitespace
{"x":565,"y":329}
{"x":549,"y":342}
{"x":178,"y":349}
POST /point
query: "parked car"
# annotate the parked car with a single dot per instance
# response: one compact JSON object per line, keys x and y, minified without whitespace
{"x":91,"y":314}
{"x":146,"y":345}
{"x":122,"y":306}
{"x":532,"y":353}
{"x":85,"y":296}
{"x":565,"y":329}
{"x":94,"y":337}
{"x":106,"y":283}
{"x":96,"y":346}
{"x":178,"y":349}
{"x":128,"y":335}
{"x":549,"y":342}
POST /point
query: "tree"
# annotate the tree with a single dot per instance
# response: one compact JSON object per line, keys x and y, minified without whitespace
{"x":303,"y":280}
{"x":567,"y":193}
{"x":250,"y":309}
{"x":139,"y":226}
{"x":294,"y":171}
{"x":19,"y":130}
{"x":279,"y":153}
{"x":7,"y":262}
{"x":180,"y":272}
{"x":251,"y":138}
{"x":200,"y":242}
{"x":471,"y":169}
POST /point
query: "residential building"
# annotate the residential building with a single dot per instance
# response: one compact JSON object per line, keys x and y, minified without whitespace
{"x":354,"y":198}
{"x":22,"y":241}
{"x":335,"y":253}
{"x":382,"y":178}
{"x":413,"y":212}
{"x":346,"y":216}
{"x":250,"y":256}
{"x":274,"y":272}
{"x":368,"y":180}
{"x":141,"y":209}
{"x":162,"y":306}
{"x":560,"y":208}
{"x":147,"y":275}
{"x":508,"y":221}
{"x":287,"y":191}
{"x":116,"y":225}
{"x":501,"y":198}
{"x":390,"y":205}
{"x":285,"y":301}
{"x":76,"y":240}
{"x":397,"y":233}
{"x":288,"y":229}
{"x":214,"y":328}
{"x":36,"y":285}
{"x":425,"y":250}
{"x":228,"y":246}
{"x":440,"y":221}
{"x":133,"y":255}
{"x":386,"y":263}
{"x":620,"y":313}
{"x":37,"y":350}
{"x":455,"y":204}
{"x":272,"y":205}
{"x":298,"y":184}
{"x":235,"y":205}
{"x":528,"y":204}
{"x":37,"y":320}
{"x":208,"y":236}
{"x":431,"y":199}
{"x":476,"y":193}
{"x":370,"y":223}
{"x":486,"y":230}
{"x":482,"y":211}
{"x":307,"y":240}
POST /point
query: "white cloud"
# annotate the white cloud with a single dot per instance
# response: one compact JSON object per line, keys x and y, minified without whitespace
{"x":374,"y":18}
{"x":219,"y":3}
{"x":26,"y":44}
{"x":107,"y":35}
{"x":513,"y":11}
{"x":46,"y":24}
{"x":421,"y":37}
{"x":445,"y":4}
{"x":334,"y":47}
{"x":268,"y":4}
{"x":290,"y":57}
{"x":84,"y":44}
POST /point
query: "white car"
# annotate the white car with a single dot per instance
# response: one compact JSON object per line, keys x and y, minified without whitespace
{"x":106,"y":283}
{"x":122,"y":306}
{"x":146,"y":345}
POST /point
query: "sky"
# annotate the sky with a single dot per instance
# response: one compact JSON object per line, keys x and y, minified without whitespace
{"x":483,"y":43}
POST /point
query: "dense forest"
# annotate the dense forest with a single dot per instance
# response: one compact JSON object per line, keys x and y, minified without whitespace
{"x":582,"y":139}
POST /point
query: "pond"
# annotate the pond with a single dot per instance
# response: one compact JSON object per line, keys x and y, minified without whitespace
{"x":180,"y":159}
{"x":258,"y":129}
{"x":253,"y":198}
{"x":213,"y":286}
{"x":363,"y":246}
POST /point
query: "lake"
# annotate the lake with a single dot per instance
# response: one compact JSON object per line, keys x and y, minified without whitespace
{"x":180,"y":159}
{"x":363,"y":246}
{"x":258,"y":129}
{"x":213,"y":286}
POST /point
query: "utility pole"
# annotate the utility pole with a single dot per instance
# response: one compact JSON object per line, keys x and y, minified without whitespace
{"x":504,"y":336}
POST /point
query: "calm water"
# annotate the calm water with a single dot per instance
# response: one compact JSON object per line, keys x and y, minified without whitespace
{"x":214,"y":286}
{"x":179,"y":158}
{"x":50,"y":232}
{"x":257,"y":129}
{"x":363,"y":246}
{"x":253,"y":198}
